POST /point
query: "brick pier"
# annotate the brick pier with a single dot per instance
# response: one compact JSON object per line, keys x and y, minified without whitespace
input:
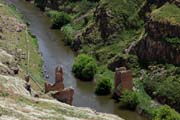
{"x":123,"y":81}
{"x":61,"y":94}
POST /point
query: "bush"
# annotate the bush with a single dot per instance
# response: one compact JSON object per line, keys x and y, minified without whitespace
{"x":59,"y":19}
{"x":103,"y":86}
{"x":69,"y":33}
{"x":165,"y":87}
{"x":84,"y":67}
{"x":84,"y":6}
{"x":130,"y":100}
{"x":166,"y":113}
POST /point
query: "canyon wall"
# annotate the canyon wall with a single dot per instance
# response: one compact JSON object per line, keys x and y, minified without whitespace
{"x":155,"y":47}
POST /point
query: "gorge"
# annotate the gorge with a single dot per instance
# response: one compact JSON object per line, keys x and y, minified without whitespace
{"x":140,"y":35}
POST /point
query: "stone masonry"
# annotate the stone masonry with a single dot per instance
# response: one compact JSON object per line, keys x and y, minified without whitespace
{"x":61,"y":94}
{"x":123,"y":81}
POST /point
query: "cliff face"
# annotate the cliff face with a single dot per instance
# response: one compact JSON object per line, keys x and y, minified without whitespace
{"x":101,"y":29}
{"x":152,"y":50}
{"x":155,"y":46}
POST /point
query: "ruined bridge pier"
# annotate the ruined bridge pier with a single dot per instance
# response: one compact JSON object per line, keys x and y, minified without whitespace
{"x":60,"y":92}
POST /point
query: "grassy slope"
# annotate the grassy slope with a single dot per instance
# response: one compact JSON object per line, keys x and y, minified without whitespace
{"x":167,"y":13}
{"x":20,"y":42}
{"x":121,"y":39}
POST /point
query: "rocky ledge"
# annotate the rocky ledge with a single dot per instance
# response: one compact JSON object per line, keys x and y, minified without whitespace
{"x":161,"y":41}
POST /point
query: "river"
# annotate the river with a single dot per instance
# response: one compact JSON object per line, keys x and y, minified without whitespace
{"x":54,"y":52}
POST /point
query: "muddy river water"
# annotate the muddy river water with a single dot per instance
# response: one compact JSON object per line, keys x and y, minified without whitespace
{"x":54,"y":52}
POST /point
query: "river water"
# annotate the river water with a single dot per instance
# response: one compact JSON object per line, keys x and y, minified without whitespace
{"x":54,"y":53}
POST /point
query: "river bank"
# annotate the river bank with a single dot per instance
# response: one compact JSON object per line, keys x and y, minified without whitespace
{"x":20,"y":49}
{"x":59,"y":54}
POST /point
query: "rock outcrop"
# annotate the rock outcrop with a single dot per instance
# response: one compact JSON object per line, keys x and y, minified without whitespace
{"x":155,"y":46}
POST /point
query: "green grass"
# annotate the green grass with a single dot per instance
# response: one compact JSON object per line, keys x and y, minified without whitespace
{"x":167,"y":13}
{"x":174,"y":41}
{"x":22,"y":41}
{"x":126,"y":11}
{"x":165,"y":86}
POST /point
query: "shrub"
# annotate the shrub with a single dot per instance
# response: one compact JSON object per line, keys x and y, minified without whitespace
{"x":68,"y":34}
{"x":165,"y":113}
{"x":59,"y":19}
{"x":84,"y":67}
{"x":103,"y":86}
{"x":129,"y":100}
{"x":85,"y":5}
{"x":165,"y":87}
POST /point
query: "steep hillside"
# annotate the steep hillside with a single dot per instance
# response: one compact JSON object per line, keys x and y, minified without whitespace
{"x":162,"y":39}
{"x":160,"y":46}
{"x":18,"y":56}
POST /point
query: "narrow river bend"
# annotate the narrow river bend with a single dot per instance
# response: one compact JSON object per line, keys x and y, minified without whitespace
{"x":54,"y":52}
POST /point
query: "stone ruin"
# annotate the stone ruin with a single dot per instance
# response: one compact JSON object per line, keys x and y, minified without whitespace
{"x":65,"y":95}
{"x":60,"y":92}
{"x":123,"y":81}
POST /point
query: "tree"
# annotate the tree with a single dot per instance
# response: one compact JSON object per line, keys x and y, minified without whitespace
{"x":103,"y":86}
{"x":84,"y":67}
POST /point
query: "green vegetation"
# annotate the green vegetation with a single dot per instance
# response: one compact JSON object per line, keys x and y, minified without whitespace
{"x":22,"y":42}
{"x":174,"y":41}
{"x":126,"y":11}
{"x":166,"y":113}
{"x":167,"y":13}
{"x":164,"y":86}
{"x":106,"y":28}
{"x":18,"y":105}
{"x":59,"y":19}
{"x":103,"y":86}
{"x":129,"y":100}
{"x":68,"y":34}
{"x":84,"y":67}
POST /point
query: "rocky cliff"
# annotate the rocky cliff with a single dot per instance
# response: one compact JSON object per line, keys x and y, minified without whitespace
{"x":161,"y":41}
